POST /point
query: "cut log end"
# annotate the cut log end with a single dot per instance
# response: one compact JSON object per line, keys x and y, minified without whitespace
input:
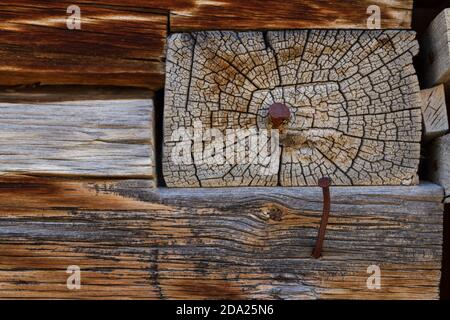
{"x":435,"y":53}
{"x":434,"y":112}
{"x":352,"y":97}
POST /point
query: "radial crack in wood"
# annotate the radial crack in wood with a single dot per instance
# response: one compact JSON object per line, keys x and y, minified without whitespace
{"x":353,"y":98}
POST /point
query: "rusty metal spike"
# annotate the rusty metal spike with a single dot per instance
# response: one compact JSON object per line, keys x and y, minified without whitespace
{"x":324,"y":183}
{"x":278,"y":113}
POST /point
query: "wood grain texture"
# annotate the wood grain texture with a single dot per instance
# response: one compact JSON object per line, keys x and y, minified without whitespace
{"x":353,"y":97}
{"x":435,"y":46}
{"x":434,"y":112}
{"x":132,"y":241}
{"x":42,"y":94}
{"x":439,"y":163}
{"x":257,"y":14}
{"x":87,"y":138}
{"x":115,"y":46}
{"x":122,"y":42}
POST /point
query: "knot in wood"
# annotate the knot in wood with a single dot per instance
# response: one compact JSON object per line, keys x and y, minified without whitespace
{"x":278,"y":113}
{"x":275,"y":214}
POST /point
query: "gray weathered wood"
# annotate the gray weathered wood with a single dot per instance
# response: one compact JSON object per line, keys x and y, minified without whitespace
{"x":92,"y":138}
{"x":435,"y":46}
{"x":353,"y":96}
{"x":434,"y":112}
{"x":439,"y":164}
{"x":132,"y":241}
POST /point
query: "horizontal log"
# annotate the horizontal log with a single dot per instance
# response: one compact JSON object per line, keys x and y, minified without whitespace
{"x":123,"y":43}
{"x":189,"y":15}
{"x":115,"y":45}
{"x":439,"y":163}
{"x":132,"y":241}
{"x":352,"y":102}
{"x":435,"y":55}
{"x":42,"y":94}
{"x":434,"y":112}
{"x":84,"y":138}
{"x":30,"y":193}
{"x":254,"y":14}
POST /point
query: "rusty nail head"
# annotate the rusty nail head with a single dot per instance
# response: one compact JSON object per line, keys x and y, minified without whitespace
{"x":278,"y":113}
{"x":324,"y":182}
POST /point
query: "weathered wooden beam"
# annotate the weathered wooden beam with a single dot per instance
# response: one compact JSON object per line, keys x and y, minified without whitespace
{"x":116,"y":45}
{"x":189,"y":15}
{"x":31,"y":193}
{"x":254,"y":15}
{"x":132,"y":241}
{"x":434,"y":112}
{"x":439,"y":163}
{"x":353,"y":103}
{"x":87,"y":138}
{"x":435,"y":46}
{"x":41,"y":94}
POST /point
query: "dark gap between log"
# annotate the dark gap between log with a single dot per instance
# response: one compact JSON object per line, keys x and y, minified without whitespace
{"x":158,"y":135}
{"x":445,"y":276}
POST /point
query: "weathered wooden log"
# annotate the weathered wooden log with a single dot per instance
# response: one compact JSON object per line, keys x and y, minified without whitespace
{"x":353,"y":99}
{"x":122,"y":43}
{"x":86,"y":138}
{"x":435,"y":50}
{"x":132,"y":241}
{"x":434,"y":112}
{"x":255,"y":14}
{"x":43,"y":94}
{"x":115,"y":45}
{"x":439,"y":163}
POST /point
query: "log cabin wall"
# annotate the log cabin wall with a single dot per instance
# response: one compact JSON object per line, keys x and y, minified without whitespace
{"x":81,"y":183}
{"x":122,"y":43}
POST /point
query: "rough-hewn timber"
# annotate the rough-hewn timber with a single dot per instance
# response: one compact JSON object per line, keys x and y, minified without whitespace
{"x":353,"y":97}
{"x":116,"y":45}
{"x":132,"y":241}
{"x":92,"y":138}
{"x":255,"y":14}
{"x":435,"y":50}
{"x":439,"y":163}
{"x":41,"y":94}
{"x":434,"y":112}
{"x":122,"y":42}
